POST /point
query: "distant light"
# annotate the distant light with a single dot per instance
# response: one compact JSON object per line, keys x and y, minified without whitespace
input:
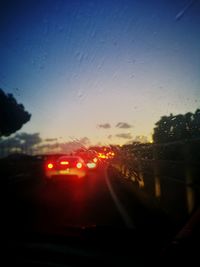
{"x":50,"y":166}
{"x":79,"y":165}
{"x":95,"y":159}
{"x":91,"y":165}
{"x":102,"y":156}
{"x":64,"y":163}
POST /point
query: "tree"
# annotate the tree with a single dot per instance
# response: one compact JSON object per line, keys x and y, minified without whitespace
{"x":12,"y":114}
{"x":163,"y":130}
{"x":179,"y":127}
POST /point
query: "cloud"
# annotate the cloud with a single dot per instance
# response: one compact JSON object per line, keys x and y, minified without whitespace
{"x":51,"y":139}
{"x":9,"y":143}
{"x":124,"y":135}
{"x":84,"y":141}
{"x":23,"y":143}
{"x":141,"y":139}
{"x":74,"y":145}
{"x":49,"y":147}
{"x":104,"y":126}
{"x":123,"y":125}
{"x":29,"y":139}
{"x":32,"y":143}
{"x":56,"y":148}
{"x":64,"y":147}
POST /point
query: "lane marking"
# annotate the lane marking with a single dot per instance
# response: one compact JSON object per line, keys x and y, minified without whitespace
{"x":126,"y":218}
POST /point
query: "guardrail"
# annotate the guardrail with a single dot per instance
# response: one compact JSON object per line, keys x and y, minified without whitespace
{"x":174,"y":184}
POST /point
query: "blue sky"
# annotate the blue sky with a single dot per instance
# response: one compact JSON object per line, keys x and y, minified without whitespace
{"x":77,"y":64}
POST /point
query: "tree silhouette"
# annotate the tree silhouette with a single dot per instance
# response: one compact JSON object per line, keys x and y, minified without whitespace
{"x":179,"y":127}
{"x":12,"y":114}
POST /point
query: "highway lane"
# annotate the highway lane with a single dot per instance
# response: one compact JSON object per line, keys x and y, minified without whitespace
{"x":77,"y":202}
{"x":102,"y":199}
{"x":130,"y":226}
{"x":51,"y":207}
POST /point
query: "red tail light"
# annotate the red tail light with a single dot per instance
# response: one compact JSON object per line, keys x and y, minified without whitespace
{"x":79,"y":165}
{"x":64,"y":163}
{"x":50,"y":165}
{"x":95,"y":160}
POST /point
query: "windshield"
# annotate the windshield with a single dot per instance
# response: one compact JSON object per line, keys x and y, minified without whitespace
{"x":115,"y":83}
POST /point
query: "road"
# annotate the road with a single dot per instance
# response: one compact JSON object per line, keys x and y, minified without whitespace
{"x":102,"y":199}
{"x":36,"y":213}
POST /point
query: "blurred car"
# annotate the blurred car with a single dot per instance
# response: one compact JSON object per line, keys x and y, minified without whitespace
{"x":90,"y":158}
{"x":66,"y":166}
{"x":92,"y":162}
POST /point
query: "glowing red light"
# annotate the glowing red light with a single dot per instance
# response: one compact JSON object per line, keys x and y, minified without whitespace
{"x":50,"y":165}
{"x":102,"y":156}
{"x":79,"y":165}
{"x":91,"y":165}
{"x":64,"y":163}
{"x":95,"y":160}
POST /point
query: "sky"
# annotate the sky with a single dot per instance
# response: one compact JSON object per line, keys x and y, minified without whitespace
{"x":105,"y":70}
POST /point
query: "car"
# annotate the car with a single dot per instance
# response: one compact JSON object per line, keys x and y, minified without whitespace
{"x":91,"y":162}
{"x":65,"y":166}
{"x":90,"y":158}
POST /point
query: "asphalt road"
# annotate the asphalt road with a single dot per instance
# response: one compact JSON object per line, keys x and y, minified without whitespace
{"x":129,"y":223}
{"x":102,"y":199}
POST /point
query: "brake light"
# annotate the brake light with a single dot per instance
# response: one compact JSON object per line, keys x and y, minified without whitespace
{"x":95,"y":160}
{"x":102,"y":156}
{"x":64,"y":163}
{"x":91,"y":165}
{"x":50,"y":165}
{"x":79,"y":165}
